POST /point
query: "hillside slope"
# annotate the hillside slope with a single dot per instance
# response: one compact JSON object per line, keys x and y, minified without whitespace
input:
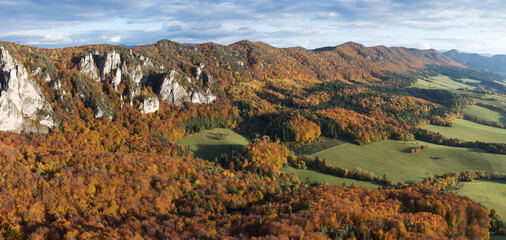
{"x":107,"y":165}
{"x":105,"y":78}
{"x":496,"y":63}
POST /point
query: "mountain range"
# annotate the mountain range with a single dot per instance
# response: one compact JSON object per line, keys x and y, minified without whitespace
{"x":88,"y":141}
{"x":494,"y":63}
{"x":177,"y":73}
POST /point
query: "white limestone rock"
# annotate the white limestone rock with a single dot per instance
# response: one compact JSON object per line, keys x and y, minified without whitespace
{"x":87,"y":66}
{"x":147,"y":63}
{"x":150,"y":104}
{"x":21,"y":100}
{"x":99,"y":113}
{"x":136,"y":75}
{"x":117,"y":79}
{"x":37,"y":71}
{"x":198,"y":71}
{"x":134,"y":92}
{"x":122,"y":104}
{"x":173,"y":92}
{"x":205,"y":97}
{"x":57,"y":85}
{"x":111,"y":63}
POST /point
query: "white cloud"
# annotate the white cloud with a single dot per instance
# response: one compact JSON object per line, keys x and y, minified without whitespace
{"x":283,"y":23}
{"x":57,"y":37}
{"x":116,"y":39}
{"x":425,"y":45}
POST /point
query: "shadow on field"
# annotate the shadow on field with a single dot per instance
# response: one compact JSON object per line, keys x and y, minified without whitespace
{"x":211,"y":151}
{"x":407,"y":150}
{"x":502,"y":119}
{"x":477,"y":150}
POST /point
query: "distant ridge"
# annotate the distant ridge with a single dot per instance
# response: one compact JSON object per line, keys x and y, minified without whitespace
{"x":495,"y":63}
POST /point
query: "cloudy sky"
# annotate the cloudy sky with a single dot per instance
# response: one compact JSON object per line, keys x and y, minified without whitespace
{"x":468,"y":25}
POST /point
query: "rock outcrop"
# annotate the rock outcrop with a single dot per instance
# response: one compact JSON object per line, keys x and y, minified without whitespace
{"x":149,"y":105}
{"x":111,"y":63}
{"x":170,"y":90}
{"x":173,"y":92}
{"x":136,"y":75}
{"x":197,"y":72}
{"x":87,"y":66}
{"x":99,"y":113}
{"x":117,"y":79}
{"x":21,"y":101}
{"x":202,"y":97}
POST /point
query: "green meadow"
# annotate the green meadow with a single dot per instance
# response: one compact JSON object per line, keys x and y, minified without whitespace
{"x":485,"y":113}
{"x":393,"y":159}
{"x":442,"y":82}
{"x":311,"y":174}
{"x":492,"y":194}
{"x":494,"y":101}
{"x":470,"y":131}
{"x":208,"y":145}
{"x":315,"y":146}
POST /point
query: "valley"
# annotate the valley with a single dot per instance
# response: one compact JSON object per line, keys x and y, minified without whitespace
{"x":262,"y":120}
{"x":248,"y":134}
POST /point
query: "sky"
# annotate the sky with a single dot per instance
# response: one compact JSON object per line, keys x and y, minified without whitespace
{"x":466,"y":25}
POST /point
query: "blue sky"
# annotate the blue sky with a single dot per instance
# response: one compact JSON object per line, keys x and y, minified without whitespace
{"x":468,"y":25}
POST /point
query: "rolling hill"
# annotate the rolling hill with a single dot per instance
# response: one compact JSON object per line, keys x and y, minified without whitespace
{"x":495,"y":63}
{"x":89,"y":141}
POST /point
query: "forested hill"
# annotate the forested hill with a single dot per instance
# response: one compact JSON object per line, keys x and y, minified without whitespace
{"x":87,"y":142}
{"x":105,"y":77}
{"x":496,"y":63}
{"x":349,"y":62}
{"x":267,"y":87}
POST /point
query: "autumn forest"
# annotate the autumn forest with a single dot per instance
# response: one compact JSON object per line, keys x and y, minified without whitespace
{"x":110,"y":168}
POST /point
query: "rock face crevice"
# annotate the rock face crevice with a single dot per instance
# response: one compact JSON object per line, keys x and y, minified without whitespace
{"x":173,"y":92}
{"x":169,"y":88}
{"x":87,"y":66}
{"x":23,"y":107}
{"x":150,"y":104}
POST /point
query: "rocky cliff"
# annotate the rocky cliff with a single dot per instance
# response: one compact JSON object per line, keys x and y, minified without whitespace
{"x":23,"y":107}
{"x":137,"y":71}
{"x":107,"y":78}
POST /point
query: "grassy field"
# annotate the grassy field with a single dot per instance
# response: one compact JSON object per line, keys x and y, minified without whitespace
{"x":470,"y":131}
{"x":322,"y":177}
{"x":485,"y":113}
{"x":495,"y":237}
{"x":493,"y":102}
{"x":492,"y":194}
{"x":392,"y":158}
{"x":207,"y":145}
{"x":441,"y":82}
{"x":500,"y":98}
{"x":315,"y":146}
{"x":467,"y":80}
